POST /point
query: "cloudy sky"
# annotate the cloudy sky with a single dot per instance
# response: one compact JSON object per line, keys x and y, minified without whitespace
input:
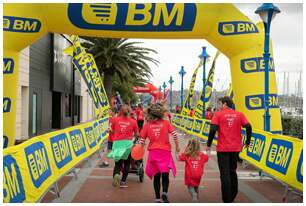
{"x":286,"y":32}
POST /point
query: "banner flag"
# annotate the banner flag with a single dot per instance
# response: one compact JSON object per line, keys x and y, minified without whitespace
{"x":208,"y":89}
{"x":188,"y":100}
{"x":87,"y":67}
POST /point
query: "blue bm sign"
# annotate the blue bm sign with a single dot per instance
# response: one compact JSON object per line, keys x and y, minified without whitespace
{"x":133,"y":17}
{"x":13,"y":190}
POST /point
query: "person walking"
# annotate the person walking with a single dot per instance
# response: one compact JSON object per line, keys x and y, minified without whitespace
{"x":124,"y":128}
{"x":228,"y":123}
{"x":159,"y":161}
{"x":195,"y":161}
{"x":140,"y":116}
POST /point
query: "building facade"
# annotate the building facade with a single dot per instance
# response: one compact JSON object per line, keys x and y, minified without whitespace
{"x":51,"y":95}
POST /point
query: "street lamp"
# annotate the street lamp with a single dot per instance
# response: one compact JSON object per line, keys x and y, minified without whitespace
{"x":164,"y":86}
{"x":182,"y":73}
{"x":171,"y":82}
{"x":267,"y":12}
{"x":204,"y":56}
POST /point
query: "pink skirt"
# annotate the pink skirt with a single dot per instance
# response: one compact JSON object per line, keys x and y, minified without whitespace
{"x":159,"y":161}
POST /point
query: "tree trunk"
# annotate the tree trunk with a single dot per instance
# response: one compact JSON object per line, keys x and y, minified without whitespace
{"x":108,"y":85}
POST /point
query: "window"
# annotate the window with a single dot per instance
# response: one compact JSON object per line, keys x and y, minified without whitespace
{"x":67,"y":102}
{"x":34,"y":114}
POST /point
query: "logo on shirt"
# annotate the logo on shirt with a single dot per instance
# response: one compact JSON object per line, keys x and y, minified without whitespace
{"x":149,"y":17}
{"x":279,"y":155}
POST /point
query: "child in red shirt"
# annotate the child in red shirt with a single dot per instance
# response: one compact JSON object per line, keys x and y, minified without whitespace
{"x":194,"y":167}
{"x":159,"y":161}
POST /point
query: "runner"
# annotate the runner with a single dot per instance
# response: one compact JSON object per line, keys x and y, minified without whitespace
{"x":140,"y":116}
{"x":124,"y":128}
{"x":228,"y":123}
{"x":160,"y":159}
{"x":194,"y":167}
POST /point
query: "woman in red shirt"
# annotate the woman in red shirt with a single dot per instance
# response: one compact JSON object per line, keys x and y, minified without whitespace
{"x":160,"y":159}
{"x":124,"y":128}
{"x":194,"y":167}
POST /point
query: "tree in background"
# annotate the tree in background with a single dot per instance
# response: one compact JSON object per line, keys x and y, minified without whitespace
{"x":122,"y":64}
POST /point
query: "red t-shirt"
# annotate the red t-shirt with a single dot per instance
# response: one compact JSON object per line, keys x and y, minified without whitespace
{"x":111,"y":134}
{"x":229,"y":129}
{"x":140,"y":114}
{"x":158,"y":134}
{"x":208,"y":115}
{"x":194,"y":168}
{"x":123,"y":128}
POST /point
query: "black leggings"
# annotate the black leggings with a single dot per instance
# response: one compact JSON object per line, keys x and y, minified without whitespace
{"x":118,"y":166}
{"x":165,"y":183}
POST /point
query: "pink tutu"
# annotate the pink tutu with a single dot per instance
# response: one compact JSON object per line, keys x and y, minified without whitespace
{"x":159,"y":161}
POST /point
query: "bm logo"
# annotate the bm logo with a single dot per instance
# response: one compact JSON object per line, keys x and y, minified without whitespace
{"x":299,"y":170}
{"x":38,"y":163}
{"x":6,"y":104}
{"x":61,"y":150}
{"x":236,"y":27}
{"x":13,"y":190}
{"x":256,"y":147}
{"x":8,"y":65}
{"x":91,"y":140}
{"x":133,"y":17}
{"x":279,"y":155}
{"x":255,"y":64}
{"x":254,"y":102}
{"x":77,"y":141}
{"x":18,"y":24}
{"x":197,"y":126}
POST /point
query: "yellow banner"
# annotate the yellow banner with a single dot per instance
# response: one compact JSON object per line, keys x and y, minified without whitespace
{"x":10,"y":82}
{"x":32,"y":167}
{"x":188,"y":100}
{"x":278,"y":155}
{"x":86,"y":65}
{"x":208,"y":90}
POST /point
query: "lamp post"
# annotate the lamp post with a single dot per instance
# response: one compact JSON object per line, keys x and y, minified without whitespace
{"x":204,"y":56}
{"x":267,"y":12}
{"x":182,"y":73}
{"x":164,"y":86}
{"x":171,"y":82}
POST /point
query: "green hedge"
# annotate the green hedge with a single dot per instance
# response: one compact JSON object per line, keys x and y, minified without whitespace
{"x":293,"y":126}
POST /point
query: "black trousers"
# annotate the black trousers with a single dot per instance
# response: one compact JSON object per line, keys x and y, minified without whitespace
{"x":165,"y":183}
{"x":126,"y":168}
{"x":227,"y":162}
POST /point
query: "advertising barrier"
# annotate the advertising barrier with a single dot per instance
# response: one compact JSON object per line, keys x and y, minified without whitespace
{"x":29,"y":169}
{"x":278,"y":155}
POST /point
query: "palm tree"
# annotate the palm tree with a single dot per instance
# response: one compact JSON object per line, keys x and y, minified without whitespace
{"x":121,"y":57}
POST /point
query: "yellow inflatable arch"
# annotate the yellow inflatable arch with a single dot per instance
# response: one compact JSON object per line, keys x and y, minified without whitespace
{"x":223,"y":25}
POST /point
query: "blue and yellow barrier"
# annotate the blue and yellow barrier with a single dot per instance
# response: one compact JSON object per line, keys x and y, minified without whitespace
{"x":30,"y":168}
{"x":278,"y":155}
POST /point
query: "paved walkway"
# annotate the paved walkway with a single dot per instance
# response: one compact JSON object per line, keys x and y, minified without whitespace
{"x":94,"y":184}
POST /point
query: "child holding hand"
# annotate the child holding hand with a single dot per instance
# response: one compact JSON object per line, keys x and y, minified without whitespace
{"x":194,"y":167}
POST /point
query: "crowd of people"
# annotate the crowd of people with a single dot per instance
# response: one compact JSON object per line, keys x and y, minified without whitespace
{"x":153,"y":125}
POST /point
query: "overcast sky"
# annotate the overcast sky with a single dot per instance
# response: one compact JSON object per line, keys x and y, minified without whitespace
{"x":286,"y":32}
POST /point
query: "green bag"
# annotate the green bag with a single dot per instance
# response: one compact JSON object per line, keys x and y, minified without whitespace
{"x":121,"y":150}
